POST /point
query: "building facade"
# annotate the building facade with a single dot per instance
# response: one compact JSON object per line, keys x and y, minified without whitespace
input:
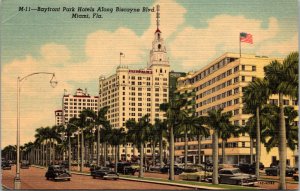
{"x":72,"y":105}
{"x":218,"y":85}
{"x":58,"y":117}
{"x":131,"y":93}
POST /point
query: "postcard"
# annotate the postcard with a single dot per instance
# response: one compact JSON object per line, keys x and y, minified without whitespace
{"x":149,"y":94}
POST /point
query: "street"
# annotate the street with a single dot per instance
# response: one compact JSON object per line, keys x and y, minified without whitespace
{"x":34,"y":178}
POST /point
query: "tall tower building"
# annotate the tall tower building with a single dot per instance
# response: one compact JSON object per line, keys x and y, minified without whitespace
{"x":131,"y":94}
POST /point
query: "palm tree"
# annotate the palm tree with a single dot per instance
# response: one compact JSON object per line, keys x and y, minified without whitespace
{"x":217,"y":121}
{"x":200,"y":130}
{"x":117,"y":138}
{"x":105,"y":134}
{"x":160,"y":127}
{"x":250,"y":128}
{"x":283,"y":81}
{"x":291,"y":128}
{"x":174,"y":118}
{"x":190,"y":125}
{"x":140,"y":135}
{"x":100,"y":119}
{"x":84,"y":121}
{"x":227,"y":132}
{"x":254,"y":96}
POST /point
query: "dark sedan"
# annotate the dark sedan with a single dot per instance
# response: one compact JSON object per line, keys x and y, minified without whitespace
{"x":5,"y":166}
{"x":274,"y":171}
{"x":57,"y":172}
{"x":125,"y":168}
{"x":249,"y":168}
{"x":166,"y":169}
{"x":235,"y":176}
{"x":104,"y":173}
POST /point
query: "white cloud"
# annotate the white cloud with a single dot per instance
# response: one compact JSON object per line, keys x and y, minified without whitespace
{"x":195,"y":47}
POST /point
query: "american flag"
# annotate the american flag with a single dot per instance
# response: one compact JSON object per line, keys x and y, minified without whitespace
{"x":246,"y":37}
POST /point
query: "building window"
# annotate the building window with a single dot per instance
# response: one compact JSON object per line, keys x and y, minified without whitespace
{"x":243,"y":78}
{"x":286,"y":102}
{"x":236,"y":101}
{"x":243,"y":67}
{"x":236,"y":112}
{"x":236,"y":69}
{"x":243,"y":144}
{"x":253,"y":68}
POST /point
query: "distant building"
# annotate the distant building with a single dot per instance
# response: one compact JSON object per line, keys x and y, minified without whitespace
{"x":58,"y":117}
{"x":73,"y":104}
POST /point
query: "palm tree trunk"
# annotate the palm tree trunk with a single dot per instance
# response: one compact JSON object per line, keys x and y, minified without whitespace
{"x":126,"y":152}
{"x":98,"y":146}
{"x":161,"y":150}
{"x":46,"y":153}
{"x":153,"y":153}
{"x":116,"y":159}
{"x":105,"y":153}
{"x":282,"y":145}
{"x":258,"y":151}
{"x":185,"y":147}
{"x":82,"y":151}
{"x":171,"y":174}
{"x":223,"y":152}
{"x":141,"y":172}
{"x":215,"y":157}
{"x":251,"y":150}
{"x":199,"y":149}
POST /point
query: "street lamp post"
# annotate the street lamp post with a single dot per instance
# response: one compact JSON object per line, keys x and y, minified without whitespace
{"x":17,"y":179}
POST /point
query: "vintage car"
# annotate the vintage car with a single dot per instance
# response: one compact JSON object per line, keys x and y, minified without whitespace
{"x":57,"y":172}
{"x":125,"y":168}
{"x":249,"y":168}
{"x":5,"y":165}
{"x":235,"y":176}
{"x":296,"y":176}
{"x":25,"y":165}
{"x":274,"y":171}
{"x":166,"y":169}
{"x":195,"y":173}
{"x":104,"y":173}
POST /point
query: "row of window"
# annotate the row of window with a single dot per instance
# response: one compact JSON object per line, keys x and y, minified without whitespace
{"x":81,"y":100}
{"x":84,"y":104}
{"x":209,"y":146}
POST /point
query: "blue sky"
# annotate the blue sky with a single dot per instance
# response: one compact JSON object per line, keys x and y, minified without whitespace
{"x":80,"y":50}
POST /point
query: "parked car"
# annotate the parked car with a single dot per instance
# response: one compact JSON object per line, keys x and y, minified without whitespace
{"x":57,"y":172}
{"x":155,"y":168}
{"x":249,"y":168}
{"x":166,"y":169}
{"x":235,"y":176}
{"x":296,"y":176}
{"x":25,"y":165}
{"x":198,"y":175}
{"x":125,"y":168}
{"x":104,"y":173}
{"x":5,"y":165}
{"x":274,"y":171}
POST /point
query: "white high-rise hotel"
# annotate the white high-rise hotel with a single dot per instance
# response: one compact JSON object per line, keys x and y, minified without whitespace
{"x":131,"y":94}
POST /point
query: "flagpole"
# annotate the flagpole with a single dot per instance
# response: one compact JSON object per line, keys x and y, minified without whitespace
{"x":240,"y":45}
{"x":120,"y":59}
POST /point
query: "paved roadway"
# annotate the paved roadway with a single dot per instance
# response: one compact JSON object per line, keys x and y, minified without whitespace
{"x":34,"y":178}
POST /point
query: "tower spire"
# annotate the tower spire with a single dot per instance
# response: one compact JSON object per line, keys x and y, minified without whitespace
{"x":157,"y":16}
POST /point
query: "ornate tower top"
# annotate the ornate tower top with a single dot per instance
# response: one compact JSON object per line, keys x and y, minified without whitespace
{"x":157,"y":18}
{"x":158,"y":54}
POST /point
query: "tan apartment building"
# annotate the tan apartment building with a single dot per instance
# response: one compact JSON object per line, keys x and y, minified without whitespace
{"x":72,"y":105}
{"x":220,"y":85}
{"x":58,"y":117}
{"x":131,"y":93}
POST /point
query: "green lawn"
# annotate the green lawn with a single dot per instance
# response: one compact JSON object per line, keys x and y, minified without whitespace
{"x":224,"y":186}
